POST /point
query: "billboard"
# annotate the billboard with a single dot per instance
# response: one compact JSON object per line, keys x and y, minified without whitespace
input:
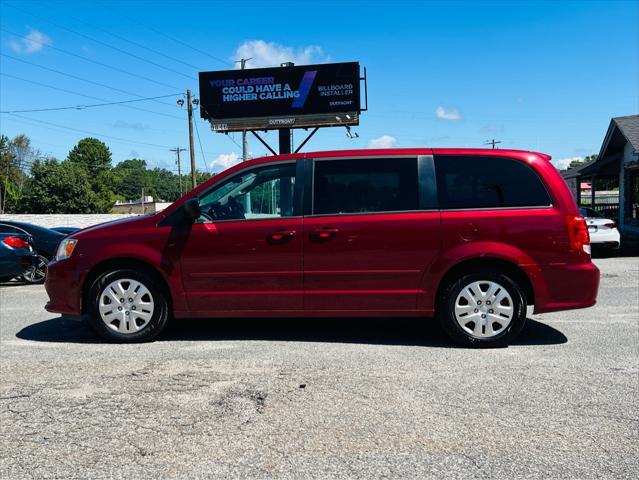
{"x":281,"y":97}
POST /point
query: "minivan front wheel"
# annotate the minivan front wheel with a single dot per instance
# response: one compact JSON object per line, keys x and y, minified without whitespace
{"x":127,"y":306}
{"x":482,"y":309}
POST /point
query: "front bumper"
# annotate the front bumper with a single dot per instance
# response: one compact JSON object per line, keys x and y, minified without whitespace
{"x":568,"y":287}
{"x":64,"y":287}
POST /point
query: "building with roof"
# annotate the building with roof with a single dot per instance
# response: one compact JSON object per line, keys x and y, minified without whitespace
{"x":617,"y":163}
{"x":143,"y":205}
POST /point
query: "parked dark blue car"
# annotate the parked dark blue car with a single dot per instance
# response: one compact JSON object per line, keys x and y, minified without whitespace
{"x":16,"y":255}
{"x":45,"y":244}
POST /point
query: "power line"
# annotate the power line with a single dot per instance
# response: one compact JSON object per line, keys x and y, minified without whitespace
{"x":117,"y":139}
{"x":227,"y":135}
{"x":159,"y":32}
{"x":40,"y":156}
{"x":117,"y":49}
{"x":95,"y":27}
{"x":31,"y":163}
{"x":83,"y":95}
{"x":92,"y":82}
{"x":82,"y":107}
{"x":86,"y":59}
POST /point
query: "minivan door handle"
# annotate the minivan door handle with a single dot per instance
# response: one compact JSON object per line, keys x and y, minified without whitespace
{"x":281,"y":235}
{"x":324,"y":233}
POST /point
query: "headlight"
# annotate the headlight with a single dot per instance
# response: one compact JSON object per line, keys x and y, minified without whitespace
{"x":65,"y":249}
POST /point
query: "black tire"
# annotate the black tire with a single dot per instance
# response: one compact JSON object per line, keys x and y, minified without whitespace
{"x":38,"y":274}
{"x":448,"y":320}
{"x":155,"y":325}
{"x":5,"y":279}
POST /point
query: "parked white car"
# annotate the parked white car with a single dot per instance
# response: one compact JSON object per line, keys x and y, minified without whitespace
{"x":603,"y":231}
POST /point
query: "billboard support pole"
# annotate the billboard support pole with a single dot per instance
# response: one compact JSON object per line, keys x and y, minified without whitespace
{"x":285,"y":133}
{"x":307,"y":139}
{"x":285,"y":141}
{"x":263,"y":142}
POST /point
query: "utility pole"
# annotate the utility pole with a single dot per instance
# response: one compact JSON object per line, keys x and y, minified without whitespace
{"x":492,"y":142}
{"x":242,"y":62}
{"x":177,"y":150}
{"x":189,"y":109}
{"x":143,"y":201}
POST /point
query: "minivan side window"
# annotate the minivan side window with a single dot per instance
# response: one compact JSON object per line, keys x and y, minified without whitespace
{"x":365,"y":185}
{"x":260,"y":193}
{"x":487,"y":182}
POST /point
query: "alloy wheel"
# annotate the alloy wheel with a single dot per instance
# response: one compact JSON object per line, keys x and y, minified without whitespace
{"x":37,"y":272}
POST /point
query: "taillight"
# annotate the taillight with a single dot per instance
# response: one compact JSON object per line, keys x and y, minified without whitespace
{"x":15,"y":242}
{"x":578,"y":237}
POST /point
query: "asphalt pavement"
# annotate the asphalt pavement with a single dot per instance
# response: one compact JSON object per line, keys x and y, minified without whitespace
{"x":317,"y":398}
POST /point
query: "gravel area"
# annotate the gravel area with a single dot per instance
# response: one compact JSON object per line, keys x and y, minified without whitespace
{"x":314,"y":398}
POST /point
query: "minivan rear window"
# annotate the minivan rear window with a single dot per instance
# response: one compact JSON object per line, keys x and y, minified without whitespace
{"x":365,"y":185}
{"x":487,"y":182}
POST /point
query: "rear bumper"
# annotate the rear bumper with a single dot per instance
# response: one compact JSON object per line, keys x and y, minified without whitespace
{"x":568,"y":287}
{"x":64,"y":287}
{"x":608,"y":238}
{"x":612,"y":245}
{"x":15,"y":265}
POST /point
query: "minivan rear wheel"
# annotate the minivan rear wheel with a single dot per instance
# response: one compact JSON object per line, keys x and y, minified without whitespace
{"x":482,"y":309}
{"x":127,"y":306}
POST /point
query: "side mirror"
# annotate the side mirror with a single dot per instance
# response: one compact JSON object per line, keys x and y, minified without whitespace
{"x":192,"y":208}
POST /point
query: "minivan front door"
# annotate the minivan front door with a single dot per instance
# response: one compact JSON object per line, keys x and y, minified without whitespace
{"x":244,"y":254}
{"x":370,"y":236}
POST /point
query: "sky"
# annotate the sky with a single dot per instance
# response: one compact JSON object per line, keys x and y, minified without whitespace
{"x":541,"y":76}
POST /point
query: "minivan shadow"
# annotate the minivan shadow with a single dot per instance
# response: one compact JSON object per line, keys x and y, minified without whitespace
{"x":373,"y":331}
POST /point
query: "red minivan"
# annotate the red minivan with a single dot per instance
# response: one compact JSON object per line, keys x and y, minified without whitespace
{"x":470,"y":236}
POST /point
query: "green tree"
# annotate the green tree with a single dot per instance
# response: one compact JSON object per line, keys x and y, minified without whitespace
{"x":92,"y":154}
{"x":15,"y":156}
{"x":130,"y":177}
{"x":165,"y":184}
{"x":95,"y":158}
{"x":60,"y":188}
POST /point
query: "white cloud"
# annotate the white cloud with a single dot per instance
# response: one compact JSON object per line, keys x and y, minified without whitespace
{"x":562,"y":163}
{"x":385,"y":141}
{"x":444,"y":114}
{"x":224,"y":161}
{"x":270,"y":54}
{"x":32,"y":42}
